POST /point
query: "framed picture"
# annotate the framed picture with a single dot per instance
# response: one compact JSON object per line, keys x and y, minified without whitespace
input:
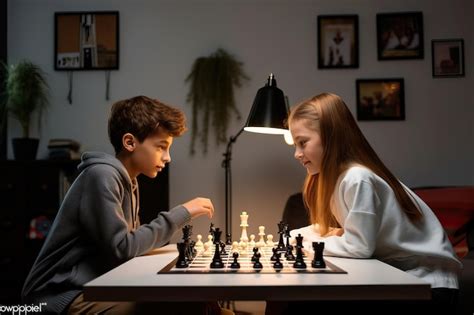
{"x":400,"y":36}
{"x":380,"y":99}
{"x":447,"y":57}
{"x":338,"y":41}
{"x":86,"y":40}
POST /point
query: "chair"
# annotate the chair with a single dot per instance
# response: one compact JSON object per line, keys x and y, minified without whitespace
{"x":295,"y":213}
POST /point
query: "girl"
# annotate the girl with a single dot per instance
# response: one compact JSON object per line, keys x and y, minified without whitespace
{"x":358,"y":207}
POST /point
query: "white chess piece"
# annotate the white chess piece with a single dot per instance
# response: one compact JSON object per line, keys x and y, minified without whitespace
{"x":261,"y":234}
{"x":207,"y":250}
{"x":235,"y":247}
{"x":199,"y":246}
{"x":209,"y":240}
{"x":244,"y":224}
{"x":243,"y":247}
{"x":252,"y":241}
{"x":270,"y":240}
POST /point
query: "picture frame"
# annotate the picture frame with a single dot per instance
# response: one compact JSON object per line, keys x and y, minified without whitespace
{"x":338,"y":41}
{"x":380,"y":99}
{"x":86,"y":40}
{"x":447,"y":58}
{"x":400,"y":36}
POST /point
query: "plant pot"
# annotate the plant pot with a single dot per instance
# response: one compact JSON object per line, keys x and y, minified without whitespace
{"x":25,"y":148}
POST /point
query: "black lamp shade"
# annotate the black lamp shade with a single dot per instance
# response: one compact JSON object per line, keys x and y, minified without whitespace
{"x":269,"y":110}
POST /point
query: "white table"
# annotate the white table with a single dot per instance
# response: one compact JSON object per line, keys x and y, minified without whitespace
{"x":366,"y":279}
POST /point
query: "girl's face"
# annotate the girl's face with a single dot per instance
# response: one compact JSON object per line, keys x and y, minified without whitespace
{"x":308,"y":146}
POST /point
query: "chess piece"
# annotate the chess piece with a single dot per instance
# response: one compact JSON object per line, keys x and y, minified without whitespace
{"x":318,"y":260}
{"x":207,"y":250}
{"x":255,"y":252}
{"x":275,"y":254}
{"x":199,"y":244}
{"x":277,"y":265}
{"x":181,"y":262}
{"x":235,"y":264}
{"x":299,"y":262}
{"x":257,"y":264}
{"x":228,"y":239}
{"x":270,"y":240}
{"x":209,"y":240}
{"x":244,"y":224}
{"x":281,"y":231}
{"x":252,"y":241}
{"x":217,"y":260}
{"x":235,"y":247}
{"x":261,"y":234}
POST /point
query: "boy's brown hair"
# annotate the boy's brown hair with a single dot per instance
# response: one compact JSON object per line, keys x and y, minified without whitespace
{"x":141,"y":116}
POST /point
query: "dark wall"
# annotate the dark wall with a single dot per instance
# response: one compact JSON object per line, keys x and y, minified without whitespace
{"x":3,"y":58}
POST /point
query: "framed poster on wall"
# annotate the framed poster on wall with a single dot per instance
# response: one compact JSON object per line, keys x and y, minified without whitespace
{"x":380,"y":99}
{"x":338,"y":41}
{"x":86,"y":40}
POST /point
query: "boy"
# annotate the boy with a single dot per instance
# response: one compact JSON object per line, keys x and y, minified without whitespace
{"x":97,"y":227}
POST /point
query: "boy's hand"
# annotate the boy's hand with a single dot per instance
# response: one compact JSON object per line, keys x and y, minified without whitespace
{"x":199,"y":206}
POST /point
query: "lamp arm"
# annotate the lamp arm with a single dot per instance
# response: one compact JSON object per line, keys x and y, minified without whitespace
{"x":228,"y":184}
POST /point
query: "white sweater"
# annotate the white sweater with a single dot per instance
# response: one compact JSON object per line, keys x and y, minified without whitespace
{"x":376,"y":227}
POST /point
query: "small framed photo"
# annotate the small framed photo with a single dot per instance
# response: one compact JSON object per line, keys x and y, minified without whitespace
{"x":86,"y":40}
{"x":380,"y":99}
{"x":338,"y":41}
{"x":400,"y":36}
{"x":447,"y":57}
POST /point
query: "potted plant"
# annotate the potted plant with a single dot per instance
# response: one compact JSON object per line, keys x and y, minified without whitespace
{"x":26,"y":92}
{"x":211,"y":94}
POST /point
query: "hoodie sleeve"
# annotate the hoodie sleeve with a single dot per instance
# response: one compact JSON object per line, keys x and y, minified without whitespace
{"x":105,"y":221}
{"x":361,"y":224}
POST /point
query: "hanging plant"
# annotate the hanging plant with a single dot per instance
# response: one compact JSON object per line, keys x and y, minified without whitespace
{"x":211,"y":95}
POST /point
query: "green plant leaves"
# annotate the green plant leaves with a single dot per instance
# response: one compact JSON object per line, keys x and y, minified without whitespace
{"x":211,"y":94}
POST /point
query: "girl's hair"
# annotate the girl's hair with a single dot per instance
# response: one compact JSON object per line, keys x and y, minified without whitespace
{"x":343,"y":144}
{"x":141,"y":116}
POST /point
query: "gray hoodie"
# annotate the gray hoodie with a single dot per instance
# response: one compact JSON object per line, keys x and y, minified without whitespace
{"x":95,"y":230}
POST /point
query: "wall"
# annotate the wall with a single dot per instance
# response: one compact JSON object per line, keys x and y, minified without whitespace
{"x":159,"y":41}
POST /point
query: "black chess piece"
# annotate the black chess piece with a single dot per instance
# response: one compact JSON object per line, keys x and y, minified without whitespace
{"x":277,"y":265}
{"x":255,"y":251}
{"x":318,"y":260}
{"x":289,"y":253}
{"x":299,"y":261}
{"x":281,"y":230}
{"x":222,"y":245}
{"x":235,"y":264}
{"x":217,"y":260}
{"x":257,"y":264}
{"x":181,"y":262}
{"x":228,"y":239}
{"x":275,"y":254}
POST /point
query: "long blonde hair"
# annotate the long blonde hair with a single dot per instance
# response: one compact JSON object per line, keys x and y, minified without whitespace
{"x":343,"y":144}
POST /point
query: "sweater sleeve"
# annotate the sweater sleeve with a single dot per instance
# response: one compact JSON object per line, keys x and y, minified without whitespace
{"x":103,"y":219}
{"x":361,"y":225}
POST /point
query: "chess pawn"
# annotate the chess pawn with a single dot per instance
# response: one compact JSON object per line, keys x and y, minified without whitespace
{"x":243,"y":248}
{"x":235,"y":247}
{"x":199,"y":246}
{"x":207,"y":250}
{"x":261,"y":234}
{"x":270,"y":240}
{"x":252,"y":241}
{"x":209,"y":240}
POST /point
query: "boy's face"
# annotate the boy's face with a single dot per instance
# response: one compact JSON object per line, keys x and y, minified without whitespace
{"x":150,"y":156}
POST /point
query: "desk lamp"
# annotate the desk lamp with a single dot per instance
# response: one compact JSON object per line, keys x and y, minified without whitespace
{"x":268,"y":113}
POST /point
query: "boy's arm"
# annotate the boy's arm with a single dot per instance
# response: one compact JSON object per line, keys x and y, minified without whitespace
{"x":105,"y":220}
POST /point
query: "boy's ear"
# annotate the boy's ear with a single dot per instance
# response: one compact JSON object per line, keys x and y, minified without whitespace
{"x":129,"y":142}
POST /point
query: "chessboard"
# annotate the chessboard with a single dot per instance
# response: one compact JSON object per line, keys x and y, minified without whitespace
{"x":202,"y":264}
